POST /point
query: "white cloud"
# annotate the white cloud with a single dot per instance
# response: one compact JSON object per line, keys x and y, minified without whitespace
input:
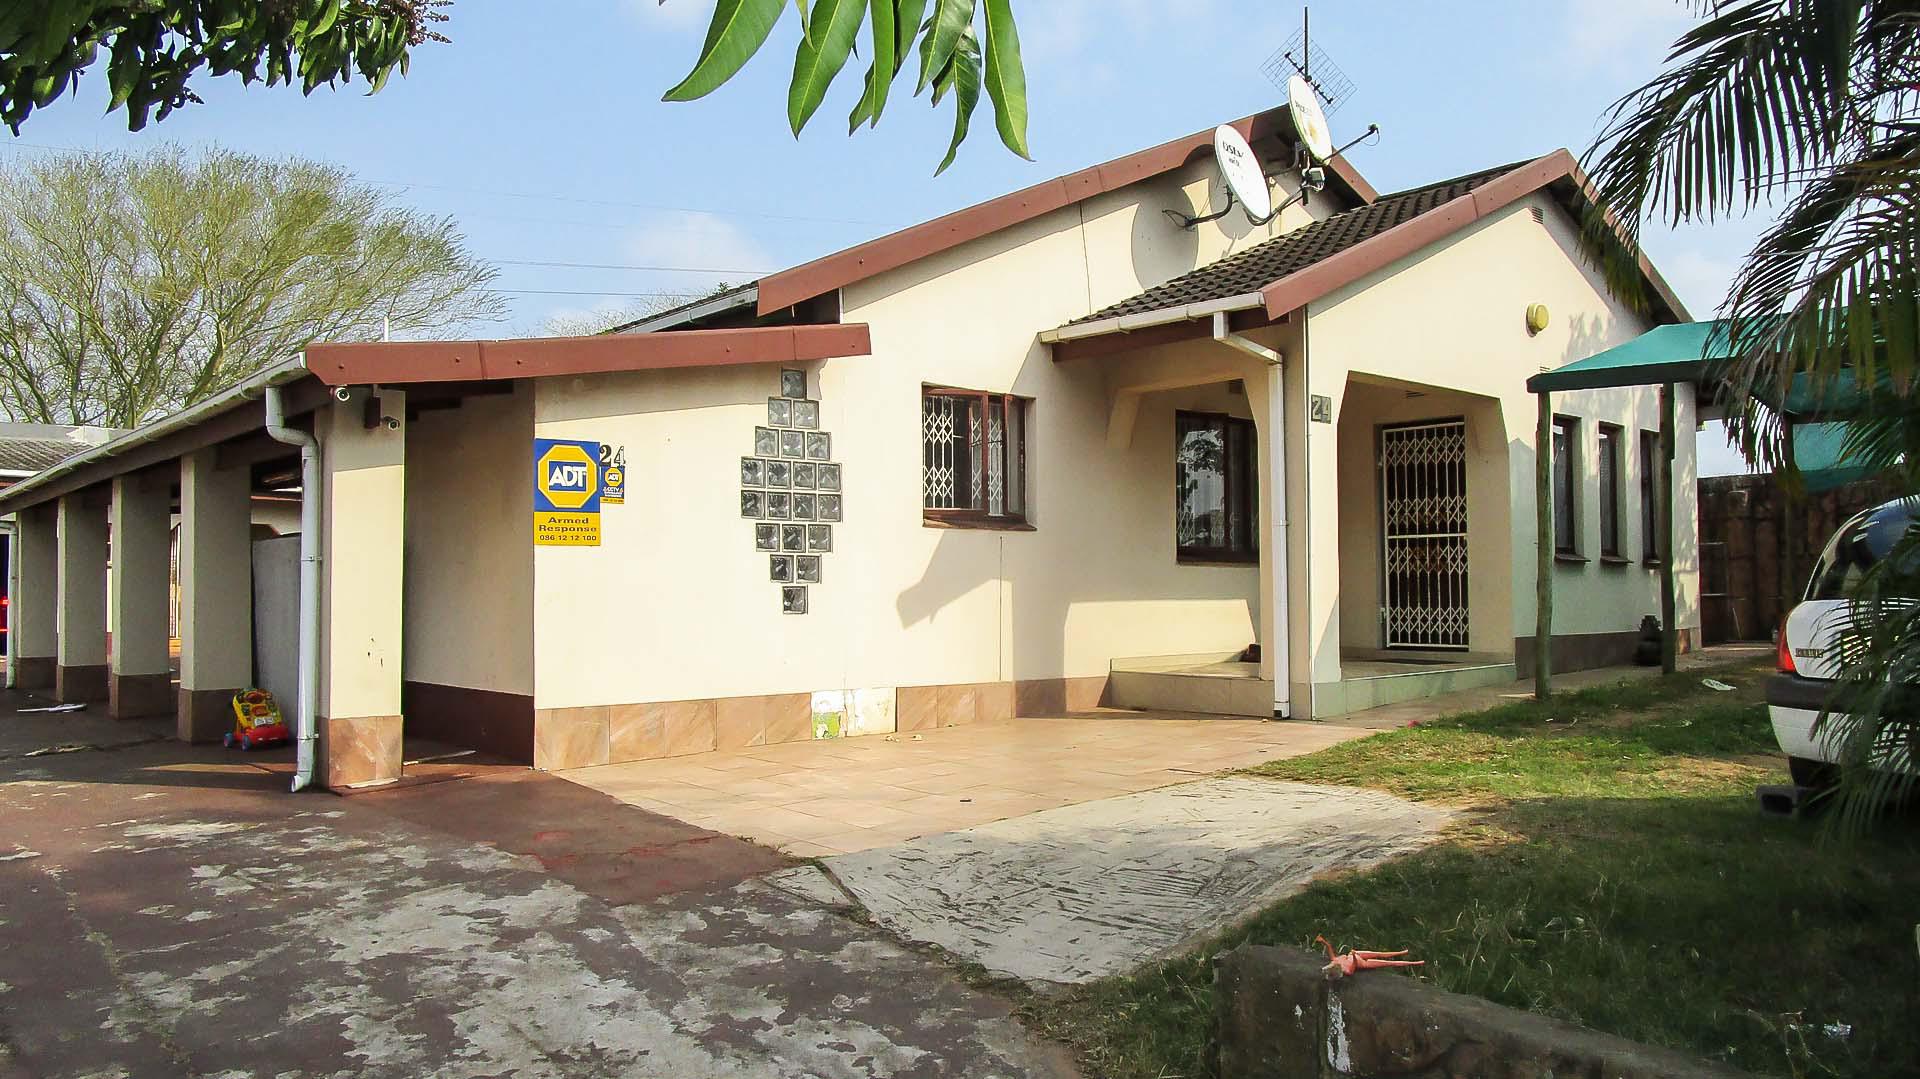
{"x":699,"y":241}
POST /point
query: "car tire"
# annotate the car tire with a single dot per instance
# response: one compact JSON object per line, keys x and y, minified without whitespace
{"x":1812,"y":774}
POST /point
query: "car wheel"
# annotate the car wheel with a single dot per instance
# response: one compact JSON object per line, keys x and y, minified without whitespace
{"x":1807,"y":772}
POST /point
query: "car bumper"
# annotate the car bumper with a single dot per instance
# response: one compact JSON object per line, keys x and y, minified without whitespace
{"x":1794,"y":705}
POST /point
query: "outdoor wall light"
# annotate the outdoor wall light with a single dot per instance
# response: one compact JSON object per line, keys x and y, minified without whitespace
{"x":1537,"y":318}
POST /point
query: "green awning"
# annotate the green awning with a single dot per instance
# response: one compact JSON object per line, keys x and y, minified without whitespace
{"x":1816,"y":453}
{"x":1678,"y":352}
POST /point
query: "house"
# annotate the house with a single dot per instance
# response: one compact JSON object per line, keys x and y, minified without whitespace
{"x":1059,"y":449}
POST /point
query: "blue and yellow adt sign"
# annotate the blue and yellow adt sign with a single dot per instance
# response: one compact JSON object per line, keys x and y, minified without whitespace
{"x":566,"y":493}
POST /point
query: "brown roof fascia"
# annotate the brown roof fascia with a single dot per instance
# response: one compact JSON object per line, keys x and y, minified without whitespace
{"x":402,"y":362}
{"x":1329,"y":275}
{"x":909,"y":245}
{"x":244,"y":418}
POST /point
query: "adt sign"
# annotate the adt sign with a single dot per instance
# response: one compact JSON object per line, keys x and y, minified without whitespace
{"x":566,"y":493}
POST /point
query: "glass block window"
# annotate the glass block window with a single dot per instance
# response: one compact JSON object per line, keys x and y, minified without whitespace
{"x":973,"y":457}
{"x":1608,"y":463}
{"x":1216,"y":488}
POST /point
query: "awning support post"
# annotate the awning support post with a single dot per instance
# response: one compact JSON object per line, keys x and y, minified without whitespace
{"x":1543,"y":567}
{"x":1669,"y":633}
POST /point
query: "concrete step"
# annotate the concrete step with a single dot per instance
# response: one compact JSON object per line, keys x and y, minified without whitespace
{"x":1201,"y":694}
{"x":1360,"y":694}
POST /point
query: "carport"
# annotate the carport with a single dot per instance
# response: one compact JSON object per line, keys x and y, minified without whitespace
{"x":1693,"y":354}
{"x":402,"y":578}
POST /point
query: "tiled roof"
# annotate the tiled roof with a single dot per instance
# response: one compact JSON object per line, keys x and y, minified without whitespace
{"x":35,"y":454}
{"x":1259,"y":266}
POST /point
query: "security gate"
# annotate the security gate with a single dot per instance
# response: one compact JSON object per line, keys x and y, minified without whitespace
{"x":1423,"y":516}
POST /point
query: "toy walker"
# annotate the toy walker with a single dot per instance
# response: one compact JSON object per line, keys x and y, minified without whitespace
{"x":256,"y":722}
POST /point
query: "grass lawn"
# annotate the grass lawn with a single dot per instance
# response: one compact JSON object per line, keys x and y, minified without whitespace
{"x":1612,"y":869}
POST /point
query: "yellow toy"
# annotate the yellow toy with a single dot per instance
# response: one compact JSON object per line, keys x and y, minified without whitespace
{"x":256,"y":721}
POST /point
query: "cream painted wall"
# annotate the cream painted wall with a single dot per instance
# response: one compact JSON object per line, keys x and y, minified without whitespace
{"x":362,"y":585}
{"x":1453,"y":316}
{"x":676,"y":604}
{"x":469,"y":561}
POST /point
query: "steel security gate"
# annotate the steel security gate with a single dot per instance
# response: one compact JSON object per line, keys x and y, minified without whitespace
{"x":1423,"y":516}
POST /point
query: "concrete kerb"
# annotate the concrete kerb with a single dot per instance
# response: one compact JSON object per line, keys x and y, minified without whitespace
{"x":1279,"y":1017}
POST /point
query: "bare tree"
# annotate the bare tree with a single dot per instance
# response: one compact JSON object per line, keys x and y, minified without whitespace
{"x":131,"y":285}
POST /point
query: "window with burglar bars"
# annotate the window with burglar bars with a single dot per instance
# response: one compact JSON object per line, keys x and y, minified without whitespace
{"x":974,"y":455}
{"x":1649,"y":497}
{"x":1609,"y":466}
{"x":1566,"y":449}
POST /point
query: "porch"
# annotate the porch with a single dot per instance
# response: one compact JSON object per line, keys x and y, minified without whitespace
{"x":1228,"y":686}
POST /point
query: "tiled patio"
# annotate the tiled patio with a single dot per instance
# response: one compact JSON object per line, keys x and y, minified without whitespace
{"x":817,"y":799}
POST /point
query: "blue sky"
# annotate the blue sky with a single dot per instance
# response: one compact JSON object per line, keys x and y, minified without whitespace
{"x":541,"y":131}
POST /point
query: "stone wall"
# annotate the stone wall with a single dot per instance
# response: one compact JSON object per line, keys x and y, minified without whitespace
{"x":1748,"y":530}
{"x":1280,"y":1018}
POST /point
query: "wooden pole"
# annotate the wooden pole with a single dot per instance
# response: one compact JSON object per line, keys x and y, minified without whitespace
{"x":1669,"y":633}
{"x":1543,"y":567}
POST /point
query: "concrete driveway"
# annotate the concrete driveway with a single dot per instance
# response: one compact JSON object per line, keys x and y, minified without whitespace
{"x":171,"y":911}
{"x":820,"y":799}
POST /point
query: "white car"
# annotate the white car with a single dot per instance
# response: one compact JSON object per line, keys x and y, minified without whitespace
{"x":1807,"y":663}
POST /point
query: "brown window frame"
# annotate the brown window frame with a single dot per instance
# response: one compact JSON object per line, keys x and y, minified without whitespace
{"x":1569,"y":428}
{"x":1609,"y":461}
{"x":1650,"y":509}
{"x":1017,"y":512}
{"x":1242,"y":491}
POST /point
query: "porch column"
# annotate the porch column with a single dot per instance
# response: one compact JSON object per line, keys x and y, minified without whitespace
{"x":32,"y":618}
{"x":140,"y":683}
{"x":1543,"y":549}
{"x":216,"y":594}
{"x":81,"y":673}
{"x":363,"y":527}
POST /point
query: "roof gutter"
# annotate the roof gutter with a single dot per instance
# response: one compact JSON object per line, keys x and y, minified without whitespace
{"x":278,"y":375}
{"x":1149,"y":319}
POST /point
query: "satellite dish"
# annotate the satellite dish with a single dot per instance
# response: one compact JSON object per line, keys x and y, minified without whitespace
{"x":1309,"y":123}
{"x":1242,"y":173}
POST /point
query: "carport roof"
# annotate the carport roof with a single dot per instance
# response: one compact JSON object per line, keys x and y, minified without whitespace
{"x":239,"y":410}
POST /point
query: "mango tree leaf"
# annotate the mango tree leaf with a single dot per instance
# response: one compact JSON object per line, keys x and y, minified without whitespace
{"x":951,"y":18}
{"x":880,"y":76}
{"x":1007,"y":77}
{"x":962,"y":77}
{"x":738,"y":30}
{"x":823,"y":52}
{"x":906,"y":22}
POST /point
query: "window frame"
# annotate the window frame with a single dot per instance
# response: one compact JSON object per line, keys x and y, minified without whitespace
{"x":1569,"y":426}
{"x":1650,"y":497}
{"x":1243,"y":492}
{"x":1012,"y":519}
{"x":1609,"y":461}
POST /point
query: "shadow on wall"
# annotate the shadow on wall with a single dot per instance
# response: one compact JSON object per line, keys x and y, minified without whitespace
{"x":1113,"y":548}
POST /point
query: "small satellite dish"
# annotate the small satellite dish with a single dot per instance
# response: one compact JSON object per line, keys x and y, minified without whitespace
{"x":1242,"y":172}
{"x":1309,"y":123}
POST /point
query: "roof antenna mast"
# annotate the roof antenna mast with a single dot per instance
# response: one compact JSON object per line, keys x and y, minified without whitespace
{"x":1310,"y":99}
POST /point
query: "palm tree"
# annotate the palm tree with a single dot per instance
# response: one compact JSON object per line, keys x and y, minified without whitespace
{"x":1813,"y":105}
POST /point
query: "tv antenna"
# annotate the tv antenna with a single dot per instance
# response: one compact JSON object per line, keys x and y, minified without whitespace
{"x":1309,"y":78}
{"x":1301,"y":57}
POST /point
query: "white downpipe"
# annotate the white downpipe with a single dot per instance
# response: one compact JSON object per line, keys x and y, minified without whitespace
{"x":305,"y":723}
{"x":1276,"y":559}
